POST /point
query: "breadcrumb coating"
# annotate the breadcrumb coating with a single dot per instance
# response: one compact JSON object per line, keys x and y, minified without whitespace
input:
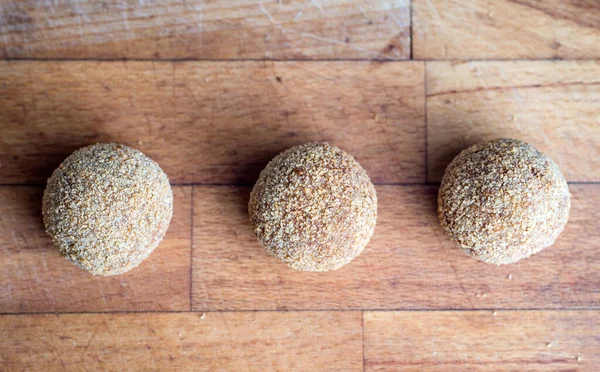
{"x":503,"y":200}
{"x":106,"y":208}
{"x":314,"y":207}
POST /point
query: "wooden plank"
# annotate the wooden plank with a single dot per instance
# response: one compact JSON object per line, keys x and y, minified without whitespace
{"x":271,"y":341}
{"x":212,"y":122}
{"x":35,"y":278}
{"x":206,"y":30}
{"x":505,"y":29}
{"x":409,"y":263}
{"x":482,"y":341}
{"x":555,"y":106}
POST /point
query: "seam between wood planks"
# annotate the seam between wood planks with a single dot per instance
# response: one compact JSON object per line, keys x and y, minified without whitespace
{"x":205,"y":60}
{"x":362,"y":327}
{"x":479,"y":310}
{"x":410,"y":37}
{"x":191,"y":247}
{"x":385,"y":60}
{"x":425,"y":90}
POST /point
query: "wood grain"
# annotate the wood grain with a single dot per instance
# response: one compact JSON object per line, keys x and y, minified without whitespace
{"x":482,"y":341}
{"x":555,"y":106}
{"x":298,"y":29}
{"x":505,"y":29}
{"x":35,"y":278}
{"x":303,"y":341}
{"x":211,"y":122}
{"x":409,"y":263}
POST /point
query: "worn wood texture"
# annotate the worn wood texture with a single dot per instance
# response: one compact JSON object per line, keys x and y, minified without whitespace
{"x":482,"y":341}
{"x":554,"y":105}
{"x":212,"y":122}
{"x":298,"y":29}
{"x":302,"y":341}
{"x":35,"y":278}
{"x":409,"y":263}
{"x":214,"y":125}
{"x":505,"y":29}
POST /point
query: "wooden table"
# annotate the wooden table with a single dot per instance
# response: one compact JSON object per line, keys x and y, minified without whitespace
{"x":212,"y":91}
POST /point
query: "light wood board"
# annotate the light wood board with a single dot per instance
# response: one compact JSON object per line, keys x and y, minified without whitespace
{"x":180,"y":29}
{"x":482,"y":341}
{"x":409,"y":263}
{"x":506,"y":29}
{"x":34,"y":277}
{"x":183,"y":341}
{"x":212,"y":122}
{"x":554,"y":105}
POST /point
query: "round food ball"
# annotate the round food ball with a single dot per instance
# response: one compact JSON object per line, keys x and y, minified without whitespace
{"x":106,"y":207}
{"x":503,"y":200}
{"x":313,"y":207}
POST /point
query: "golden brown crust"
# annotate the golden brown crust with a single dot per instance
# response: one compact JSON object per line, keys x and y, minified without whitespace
{"x":502,"y":201}
{"x":314,"y":207}
{"x":107,"y":207}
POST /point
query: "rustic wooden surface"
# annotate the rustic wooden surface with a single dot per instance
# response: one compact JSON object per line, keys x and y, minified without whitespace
{"x":552,"y":104}
{"x":506,"y":29}
{"x":183,"y":341}
{"x":219,"y":122}
{"x":482,"y":340}
{"x":409,"y":264}
{"x":179,"y":29}
{"x":34,"y":277}
{"x":209,"y":297}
